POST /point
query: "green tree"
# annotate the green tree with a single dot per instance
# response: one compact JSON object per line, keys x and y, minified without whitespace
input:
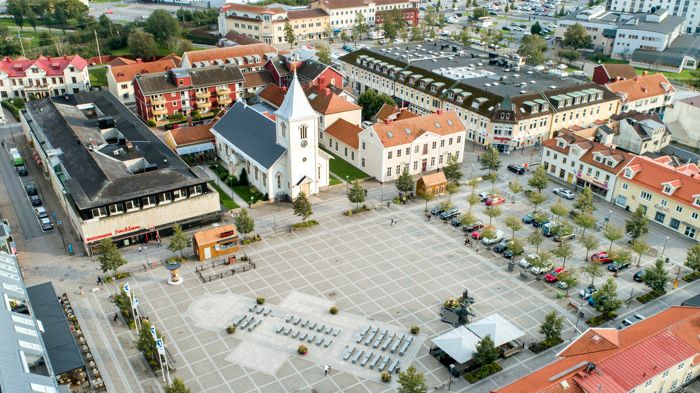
{"x":356,"y":194}
{"x":178,"y":241}
{"x":417,"y":34}
{"x":563,"y":250}
{"x":323,"y":52}
{"x":486,"y":351}
{"x":638,"y":225}
{"x":516,"y":246}
{"x":142,"y":44}
{"x":182,"y":45}
{"x":427,"y":197}
{"x":359,"y":29}
{"x":164,"y":27}
{"x":535,"y":239}
{"x":147,"y":345}
{"x":539,"y":179}
{"x":536,"y":198}
{"x":289,"y":34}
{"x":19,"y":10}
{"x":472,"y":200}
{"x":514,"y":188}
{"x":613,"y":233}
{"x":533,"y":48}
{"x":584,"y":202}
{"x":569,"y":55}
{"x":589,"y":242}
{"x":570,"y":278}
{"x":640,"y":246}
{"x":467,"y":219}
{"x":592,"y":270}
{"x":656,"y":277}
{"x":551,"y":326}
{"x":45,"y":38}
{"x":492,"y":212}
{"x":343,"y":36}
{"x":576,"y":37}
{"x":371,"y":102}
{"x":490,"y":159}
{"x":451,"y":189}
{"x":559,"y":209}
{"x":479,"y":12}
{"x":405,"y":182}
{"x":411,"y":381}
{"x":620,"y":256}
{"x":586,"y":221}
{"x":109,"y":256}
{"x":536,"y":28}
{"x":605,"y":299}
{"x":244,"y":222}
{"x":562,"y":12}
{"x":178,"y":386}
{"x":393,"y":21}
{"x":692,"y":260}
{"x":514,"y":224}
{"x":302,"y":206}
{"x":452,"y":170}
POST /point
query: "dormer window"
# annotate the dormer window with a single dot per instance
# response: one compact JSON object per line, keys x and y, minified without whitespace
{"x":422,"y":85}
{"x":628,"y":173}
{"x":433,"y":88}
{"x":560,"y":144}
{"x":451,"y":95}
{"x":460,"y":99}
{"x":668,"y":190}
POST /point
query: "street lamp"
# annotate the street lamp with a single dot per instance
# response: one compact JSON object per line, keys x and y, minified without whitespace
{"x":663,"y":250}
{"x":250,"y":204}
{"x":347,"y":184}
{"x":449,"y":385}
{"x":381,"y":196}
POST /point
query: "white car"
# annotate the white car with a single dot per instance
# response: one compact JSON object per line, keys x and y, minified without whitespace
{"x":498,"y":236}
{"x":484,"y":196}
{"x":541,"y":270}
{"x":525,"y":262}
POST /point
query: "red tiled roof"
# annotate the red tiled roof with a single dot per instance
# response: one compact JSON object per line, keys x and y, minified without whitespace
{"x":324,"y":101}
{"x":53,"y":66}
{"x":273,"y":94}
{"x":127,"y":73}
{"x":593,"y":340}
{"x":120,"y":61}
{"x":641,"y":87}
{"x":434,"y":179}
{"x":209,"y":55}
{"x":651,"y":174}
{"x":400,"y":132}
{"x":307,"y":13}
{"x":191,"y":135}
{"x":345,"y":132}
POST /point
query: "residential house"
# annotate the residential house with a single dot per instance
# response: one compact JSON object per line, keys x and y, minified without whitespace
{"x":644,"y":93}
{"x":196,"y":141}
{"x":120,"y":79}
{"x":638,"y":133}
{"x":682,"y":119}
{"x":248,"y":58}
{"x":43,"y":77}
{"x":669,"y":194}
{"x":433,"y":184}
{"x":181,"y":91}
{"x":606,"y":73}
{"x":659,"y":354}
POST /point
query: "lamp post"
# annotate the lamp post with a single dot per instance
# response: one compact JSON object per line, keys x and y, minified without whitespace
{"x":250,"y":204}
{"x":145,"y":249}
{"x":663,"y":249}
{"x":607,"y":219}
{"x":347,"y":184}
{"x":449,"y":385}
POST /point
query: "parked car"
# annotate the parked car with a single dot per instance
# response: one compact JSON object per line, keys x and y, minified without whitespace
{"x":46,"y":224}
{"x":526,"y":262}
{"x":456,"y":221}
{"x":40,"y":212}
{"x":35,"y":200}
{"x":591,"y":301}
{"x":549,"y":229}
{"x":446,"y":215}
{"x":629,"y":321}
{"x":639,"y":276}
{"x":476,"y":235}
{"x":564,"y":193}
{"x":473,"y":226}
{"x":601,"y":257}
{"x":30,"y":189}
{"x":561,"y":285}
{"x":495,"y":200}
{"x":540,"y":270}
{"x":519,"y":169}
{"x":539,"y":221}
{"x":437,"y":209}
{"x":21,"y":170}
{"x":498,"y":236}
{"x":552,"y":276}
{"x":483,"y":196}
{"x":509,"y":254}
{"x":616,"y":266}
{"x":587,"y":292}
{"x":502,"y":246}
{"x":564,"y":233}
{"x":528,"y":218}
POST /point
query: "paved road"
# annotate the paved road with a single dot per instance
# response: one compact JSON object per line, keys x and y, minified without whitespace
{"x":127,"y":11}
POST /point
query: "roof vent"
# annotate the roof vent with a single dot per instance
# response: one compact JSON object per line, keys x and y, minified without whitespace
{"x":596,"y":338}
{"x":564,"y":384}
{"x":389,"y":134}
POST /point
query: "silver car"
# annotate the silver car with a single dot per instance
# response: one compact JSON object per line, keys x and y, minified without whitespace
{"x":564,"y":193}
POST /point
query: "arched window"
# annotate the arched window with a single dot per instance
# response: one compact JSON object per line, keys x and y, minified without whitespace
{"x":284,"y":130}
{"x":279,"y":181}
{"x":303,"y":131}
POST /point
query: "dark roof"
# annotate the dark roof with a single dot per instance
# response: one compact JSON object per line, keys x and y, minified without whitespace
{"x":241,"y":38}
{"x":201,"y":77}
{"x":306,"y":13}
{"x":693,"y":301}
{"x":61,"y":346}
{"x":310,"y":70}
{"x":685,"y":45}
{"x":624,"y":71}
{"x":252,"y":132}
{"x":95,"y":180}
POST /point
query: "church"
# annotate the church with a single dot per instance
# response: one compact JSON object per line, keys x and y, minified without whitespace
{"x":278,"y":151}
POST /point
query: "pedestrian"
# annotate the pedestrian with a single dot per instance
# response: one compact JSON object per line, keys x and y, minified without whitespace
{"x":396,"y":221}
{"x":325,"y":370}
{"x":140,"y":250}
{"x":477,"y":249}
{"x":329,"y":369}
{"x":159,"y":241}
{"x":99,"y":281}
{"x":466,"y":240}
{"x":430,"y":217}
{"x":391,"y":222}
{"x":116,"y":315}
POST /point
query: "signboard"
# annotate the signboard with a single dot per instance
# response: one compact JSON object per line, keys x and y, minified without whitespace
{"x":160,"y":347}
{"x":127,"y":289}
{"x":153,"y":332}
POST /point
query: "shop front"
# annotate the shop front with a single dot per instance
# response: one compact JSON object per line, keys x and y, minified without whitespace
{"x":126,"y":236}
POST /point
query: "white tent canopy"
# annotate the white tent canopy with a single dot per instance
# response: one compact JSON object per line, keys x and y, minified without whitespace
{"x":500,"y":330}
{"x":459,"y":343}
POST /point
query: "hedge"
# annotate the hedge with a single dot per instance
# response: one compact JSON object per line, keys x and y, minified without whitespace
{"x":649,"y":296}
{"x":545,"y":345}
{"x":483,"y":372}
{"x":14,"y":105}
{"x":691,"y":277}
{"x":600,"y":319}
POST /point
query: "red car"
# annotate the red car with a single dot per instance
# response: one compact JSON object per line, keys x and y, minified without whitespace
{"x":495,"y":200}
{"x":601,"y":257}
{"x":552,"y":276}
{"x":109,"y":12}
{"x":476,"y":235}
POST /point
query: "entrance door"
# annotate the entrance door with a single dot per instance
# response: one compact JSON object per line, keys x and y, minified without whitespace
{"x":305,"y":188}
{"x":424,"y":165}
{"x":207,"y":253}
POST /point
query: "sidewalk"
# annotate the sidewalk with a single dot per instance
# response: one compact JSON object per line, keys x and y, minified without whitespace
{"x":239,"y":201}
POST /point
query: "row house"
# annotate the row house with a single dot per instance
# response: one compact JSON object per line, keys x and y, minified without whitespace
{"x":636,"y":132}
{"x":670,"y":195}
{"x":584,"y":163}
{"x":417,"y":144}
{"x":182,"y":91}
{"x":309,"y":72}
{"x":42,"y":77}
{"x":343,"y":13}
{"x":644,"y":93}
{"x":248,"y":58}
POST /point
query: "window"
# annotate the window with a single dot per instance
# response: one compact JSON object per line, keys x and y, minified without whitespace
{"x":415,"y":165}
{"x":179,"y":194}
{"x":99,"y":212}
{"x":398,"y":152}
{"x":645,"y":195}
{"x":624,"y":186}
{"x":415,"y":150}
{"x":694,"y":215}
{"x":442,"y":143}
{"x":408,"y":151}
{"x":34,"y":363}
{"x":303,"y":131}
{"x":284,"y":130}
{"x":165,"y":197}
{"x":450,"y":142}
{"x":668,"y":190}
{"x":388,"y":156}
{"x":116,"y":209}
{"x":434,"y":144}
{"x":459,"y":139}
{"x":674,"y":223}
{"x":388,"y":172}
{"x":660,"y":217}
{"x":363,"y":162}
{"x":148,"y":201}
{"x":665,"y":374}
{"x":363,"y":146}
{"x":664,"y":202}
{"x":132,"y":205}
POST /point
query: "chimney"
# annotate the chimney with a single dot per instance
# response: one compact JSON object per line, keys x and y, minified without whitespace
{"x":139,"y":60}
{"x":617,"y":78}
{"x":328,"y":92}
{"x":284,"y":89}
{"x":645,"y":73}
{"x":439,"y":111}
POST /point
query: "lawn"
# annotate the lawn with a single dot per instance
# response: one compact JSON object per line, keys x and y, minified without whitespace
{"x":345,"y":170}
{"x":332,"y":180}
{"x":245,"y":194}
{"x":224,"y":198}
{"x":98,"y":76}
{"x":684,"y":75}
{"x":125,"y":51}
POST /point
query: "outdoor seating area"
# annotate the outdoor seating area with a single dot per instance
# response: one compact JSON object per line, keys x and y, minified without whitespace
{"x":384,"y":342}
{"x":254,"y":320}
{"x":309,"y":331}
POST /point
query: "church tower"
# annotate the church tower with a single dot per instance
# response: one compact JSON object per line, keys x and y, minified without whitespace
{"x":297,"y":131}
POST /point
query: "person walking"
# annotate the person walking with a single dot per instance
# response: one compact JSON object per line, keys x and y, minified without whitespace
{"x":477,"y":249}
{"x":466,"y":240}
{"x":116,"y":315}
{"x":325,"y":370}
{"x":99,"y":281}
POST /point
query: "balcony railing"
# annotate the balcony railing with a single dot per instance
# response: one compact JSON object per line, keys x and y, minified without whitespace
{"x":203,"y":94}
{"x":160,"y":111}
{"x":224,"y":100}
{"x":225,"y":91}
{"x":203,"y":104}
{"x":158,"y":100}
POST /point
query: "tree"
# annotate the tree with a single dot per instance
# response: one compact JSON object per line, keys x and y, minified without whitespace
{"x":359,"y":29}
{"x":452,"y":169}
{"x":109,"y":256}
{"x":605,"y":299}
{"x":467,"y":219}
{"x":656,"y":277}
{"x":692,"y":260}
{"x":371,"y":101}
{"x":45,"y":38}
{"x":486,"y":351}
{"x":492,"y":212}
{"x":586,"y":221}
{"x":592,"y":270}
{"x":620,"y":256}
{"x":427,"y":197}
{"x":559,"y":209}
{"x":613,"y":233}
{"x":417,"y":34}
{"x":570,"y":278}
{"x":289,"y":34}
{"x":142,"y":44}
{"x":19,"y":10}
{"x":404,"y":183}
{"x":576,"y":37}
{"x":536,"y":198}
{"x":356,"y":193}
{"x":393,"y":20}
{"x":533,"y":48}
{"x":514,"y":224}
{"x":536,"y":28}
{"x":344,"y":36}
{"x":479,"y":12}
{"x":164,"y":27}
{"x":539,"y":179}
{"x":638,"y":225}
{"x":323,"y":52}
{"x":147,"y":345}
{"x":589,"y":242}
{"x":178,"y":241}
{"x":569,"y":55}
{"x":177,"y":387}
{"x":244,"y":222}
{"x":535,"y":239}
{"x":563,"y":250}
{"x":451,"y":189}
{"x":472,"y":199}
{"x":551,"y":326}
{"x":640,"y":246}
{"x":562,"y":12}
{"x":490,"y":159}
{"x":516,"y":246}
{"x":302,"y":206}
{"x":182,"y":45}
{"x":411,"y":381}
{"x":584,"y":202}
{"x":514,"y":188}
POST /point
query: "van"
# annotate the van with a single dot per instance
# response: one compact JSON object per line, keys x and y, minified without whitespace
{"x":17,"y":159}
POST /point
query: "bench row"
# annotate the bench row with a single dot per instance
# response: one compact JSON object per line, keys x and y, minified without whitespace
{"x":372,"y":359}
{"x":247,"y":322}
{"x":309,"y":337}
{"x":366,"y":336}
{"x":319,"y":327}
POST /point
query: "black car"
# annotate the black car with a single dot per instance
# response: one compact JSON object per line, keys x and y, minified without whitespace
{"x":501,"y":246}
{"x":446,"y":215}
{"x":456,"y":221}
{"x":519,"y":169}
{"x":616,"y":267}
{"x":528,"y":218}
{"x":506,"y":28}
{"x":437,"y":209}
{"x":30,"y":189}
{"x":639,"y":276}
{"x":21,"y":170}
{"x":35,"y":200}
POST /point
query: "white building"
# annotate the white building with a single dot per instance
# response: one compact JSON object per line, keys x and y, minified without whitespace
{"x":343,"y":13}
{"x":687,"y":10}
{"x":43,"y":77}
{"x":639,"y":133}
{"x":279,"y":153}
{"x":682,"y":119}
{"x":644,"y":93}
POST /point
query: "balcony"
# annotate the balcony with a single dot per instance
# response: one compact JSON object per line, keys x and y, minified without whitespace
{"x":223,"y":91}
{"x":203,"y":104}
{"x":224,"y":100}
{"x":158,"y":100}
{"x":160,"y":111}
{"x":202,"y":94}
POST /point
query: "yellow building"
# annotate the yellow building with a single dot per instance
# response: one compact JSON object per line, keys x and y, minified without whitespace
{"x":669,"y":195}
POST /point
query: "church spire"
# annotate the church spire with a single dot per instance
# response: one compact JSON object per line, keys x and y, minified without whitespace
{"x":295,"y":104}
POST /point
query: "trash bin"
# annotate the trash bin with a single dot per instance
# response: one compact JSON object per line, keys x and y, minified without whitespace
{"x":511,"y":266}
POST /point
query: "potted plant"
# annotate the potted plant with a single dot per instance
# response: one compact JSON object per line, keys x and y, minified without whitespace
{"x":230,"y":329}
{"x":260,"y":300}
{"x":415,"y":329}
{"x":302,"y":349}
{"x":333,"y":310}
{"x":386,"y":377}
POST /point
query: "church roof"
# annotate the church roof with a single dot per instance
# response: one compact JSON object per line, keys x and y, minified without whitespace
{"x":295,"y":104}
{"x":252,"y":133}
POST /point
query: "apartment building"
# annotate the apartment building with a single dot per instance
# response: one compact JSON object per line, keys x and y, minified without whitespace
{"x":638,"y":133}
{"x":419,"y":144}
{"x":182,"y":91}
{"x":688,"y":10}
{"x":343,"y":13}
{"x":583,"y":162}
{"x":656,"y":355}
{"x":669,"y":194}
{"x":644,"y":93}
{"x":43,"y":77}
{"x":119,"y":180}
{"x":248,"y":58}
{"x":500,"y":102}
{"x":120,"y":79}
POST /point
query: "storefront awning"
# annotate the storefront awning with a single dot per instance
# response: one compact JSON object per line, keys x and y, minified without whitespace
{"x":198,"y":148}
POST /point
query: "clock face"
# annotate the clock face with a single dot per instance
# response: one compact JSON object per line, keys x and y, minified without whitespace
{"x":304,"y":142}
